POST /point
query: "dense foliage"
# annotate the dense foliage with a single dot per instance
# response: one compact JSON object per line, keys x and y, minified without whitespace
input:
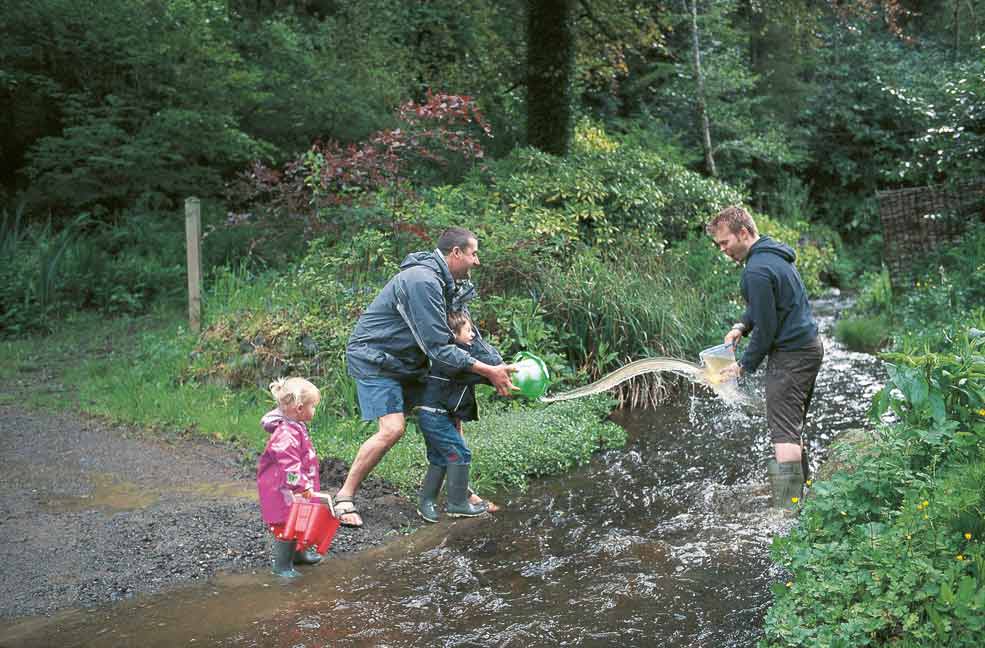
{"x":594,"y":259}
{"x":889,"y":548}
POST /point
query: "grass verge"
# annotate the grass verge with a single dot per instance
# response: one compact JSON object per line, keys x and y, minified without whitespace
{"x":128,"y":370}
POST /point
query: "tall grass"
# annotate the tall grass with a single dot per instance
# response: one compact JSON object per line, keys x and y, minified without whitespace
{"x":51,"y":248}
{"x":12,"y":231}
{"x":33,"y":271}
{"x":866,"y":334}
{"x":240,"y":287}
{"x":610,"y":313}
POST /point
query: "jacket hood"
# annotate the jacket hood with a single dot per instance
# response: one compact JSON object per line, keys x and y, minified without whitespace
{"x":433,"y":260}
{"x":459,"y":293}
{"x":274,"y":418}
{"x":766,"y":245}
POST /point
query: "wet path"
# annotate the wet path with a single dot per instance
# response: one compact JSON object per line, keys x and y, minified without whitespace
{"x":662,"y":543}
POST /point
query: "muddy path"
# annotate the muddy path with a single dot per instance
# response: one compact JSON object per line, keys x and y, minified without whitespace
{"x":93,"y":513}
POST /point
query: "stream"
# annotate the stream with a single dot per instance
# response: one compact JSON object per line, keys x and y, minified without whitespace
{"x":662,"y":543}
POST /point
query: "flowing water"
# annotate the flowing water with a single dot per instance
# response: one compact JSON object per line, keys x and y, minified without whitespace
{"x":662,"y":543}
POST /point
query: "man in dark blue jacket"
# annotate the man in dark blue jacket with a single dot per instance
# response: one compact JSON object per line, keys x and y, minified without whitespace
{"x":396,"y":337}
{"x":780,"y":325}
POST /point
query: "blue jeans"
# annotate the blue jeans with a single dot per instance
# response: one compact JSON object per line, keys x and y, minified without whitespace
{"x":445,"y":444}
{"x":379,"y":396}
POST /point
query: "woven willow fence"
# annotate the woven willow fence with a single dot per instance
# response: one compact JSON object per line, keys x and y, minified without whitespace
{"x":917,"y":220}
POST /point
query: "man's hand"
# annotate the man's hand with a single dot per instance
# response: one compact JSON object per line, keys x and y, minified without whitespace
{"x":734,"y":370}
{"x":733,"y":336}
{"x":498,"y":375}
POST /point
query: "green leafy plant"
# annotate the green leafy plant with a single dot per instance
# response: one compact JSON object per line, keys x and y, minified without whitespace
{"x":889,"y":548}
{"x":867,"y":334}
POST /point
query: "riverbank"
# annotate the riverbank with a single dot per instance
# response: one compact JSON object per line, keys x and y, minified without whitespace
{"x":96,"y":513}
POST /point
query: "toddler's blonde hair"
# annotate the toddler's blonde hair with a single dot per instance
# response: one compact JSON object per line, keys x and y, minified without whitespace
{"x":291,"y":391}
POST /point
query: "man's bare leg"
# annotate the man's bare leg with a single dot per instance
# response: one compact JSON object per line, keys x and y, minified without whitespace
{"x":391,"y":429}
{"x":787,"y":452}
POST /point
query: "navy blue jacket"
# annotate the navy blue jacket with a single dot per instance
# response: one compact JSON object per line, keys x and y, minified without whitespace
{"x":778,"y":316}
{"x":453,"y":390}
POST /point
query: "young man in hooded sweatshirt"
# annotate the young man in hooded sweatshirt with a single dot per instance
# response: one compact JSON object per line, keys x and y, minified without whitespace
{"x":780,"y":325}
{"x":403,"y":330}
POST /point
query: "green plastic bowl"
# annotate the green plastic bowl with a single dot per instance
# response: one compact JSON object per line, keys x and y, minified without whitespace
{"x":531,"y":375}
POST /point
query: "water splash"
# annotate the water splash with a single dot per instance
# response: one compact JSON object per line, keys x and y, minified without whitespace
{"x":728,"y":391}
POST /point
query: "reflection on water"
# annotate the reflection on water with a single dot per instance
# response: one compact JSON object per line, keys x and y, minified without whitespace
{"x":662,"y":543}
{"x":107,"y":493}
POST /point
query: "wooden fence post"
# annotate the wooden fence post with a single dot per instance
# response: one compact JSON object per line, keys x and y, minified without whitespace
{"x":193,"y":236}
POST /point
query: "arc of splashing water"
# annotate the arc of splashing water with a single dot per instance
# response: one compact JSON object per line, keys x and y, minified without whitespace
{"x":626,"y":372}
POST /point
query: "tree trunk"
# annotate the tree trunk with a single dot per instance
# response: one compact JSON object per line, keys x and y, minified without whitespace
{"x":550,"y":62}
{"x":699,"y":77}
{"x":957,"y":30}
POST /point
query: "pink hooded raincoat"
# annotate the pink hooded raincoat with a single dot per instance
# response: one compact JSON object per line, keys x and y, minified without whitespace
{"x":287,"y":467}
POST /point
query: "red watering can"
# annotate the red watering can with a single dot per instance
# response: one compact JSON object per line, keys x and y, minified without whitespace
{"x":312,"y":523}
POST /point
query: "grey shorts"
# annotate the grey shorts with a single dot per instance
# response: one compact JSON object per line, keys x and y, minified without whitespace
{"x":790,"y":378}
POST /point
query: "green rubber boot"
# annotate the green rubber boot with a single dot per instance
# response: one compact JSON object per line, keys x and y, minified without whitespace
{"x":307,"y":557}
{"x":458,"y":504}
{"x":427,"y":499}
{"x":786,"y":483}
{"x":284,"y":559}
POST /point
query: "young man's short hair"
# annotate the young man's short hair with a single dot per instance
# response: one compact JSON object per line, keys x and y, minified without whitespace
{"x":734,"y":218}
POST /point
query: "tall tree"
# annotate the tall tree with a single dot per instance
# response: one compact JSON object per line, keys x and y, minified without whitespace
{"x":550,"y":65}
{"x":700,"y":100}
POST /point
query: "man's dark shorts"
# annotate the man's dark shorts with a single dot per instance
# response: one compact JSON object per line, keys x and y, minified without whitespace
{"x":790,"y":378}
{"x":379,"y":396}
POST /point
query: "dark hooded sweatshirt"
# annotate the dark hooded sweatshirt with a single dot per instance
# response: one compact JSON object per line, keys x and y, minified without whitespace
{"x":407,"y":325}
{"x":453,"y":391}
{"x":778,"y":314}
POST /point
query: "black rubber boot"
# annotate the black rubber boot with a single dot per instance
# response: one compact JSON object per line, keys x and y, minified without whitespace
{"x":786,"y":483}
{"x":307,"y":557}
{"x":284,"y":559}
{"x":458,"y":504}
{"x":427,"y":499}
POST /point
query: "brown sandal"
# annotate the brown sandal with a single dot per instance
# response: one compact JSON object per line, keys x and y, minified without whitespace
{"x":345,"y":506}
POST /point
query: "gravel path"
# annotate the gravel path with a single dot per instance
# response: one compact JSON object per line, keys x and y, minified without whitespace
{"x":92,"y":513}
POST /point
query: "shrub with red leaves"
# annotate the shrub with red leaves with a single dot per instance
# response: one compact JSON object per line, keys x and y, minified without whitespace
{"x":443,"y":129}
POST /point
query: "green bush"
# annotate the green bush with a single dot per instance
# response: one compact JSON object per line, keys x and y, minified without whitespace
{"x":866,"y":334}
{"x":610,"y":313}
{"x":946,"y":295}
{"x":875,"y":295}
{"x":124,"y":264}
{"x":889,"y":549}
{"x":587,"y":292}
{"x":603,"y":191}
{"x":298,"y":323}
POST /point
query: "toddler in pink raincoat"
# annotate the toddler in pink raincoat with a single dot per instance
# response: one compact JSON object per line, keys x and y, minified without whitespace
{"x":288,"y":467}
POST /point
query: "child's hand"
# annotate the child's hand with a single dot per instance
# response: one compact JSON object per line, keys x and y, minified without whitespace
{"x":306,"y":494}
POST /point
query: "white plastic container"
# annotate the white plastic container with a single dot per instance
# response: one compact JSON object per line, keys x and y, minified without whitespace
{"x":716,"y":358}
